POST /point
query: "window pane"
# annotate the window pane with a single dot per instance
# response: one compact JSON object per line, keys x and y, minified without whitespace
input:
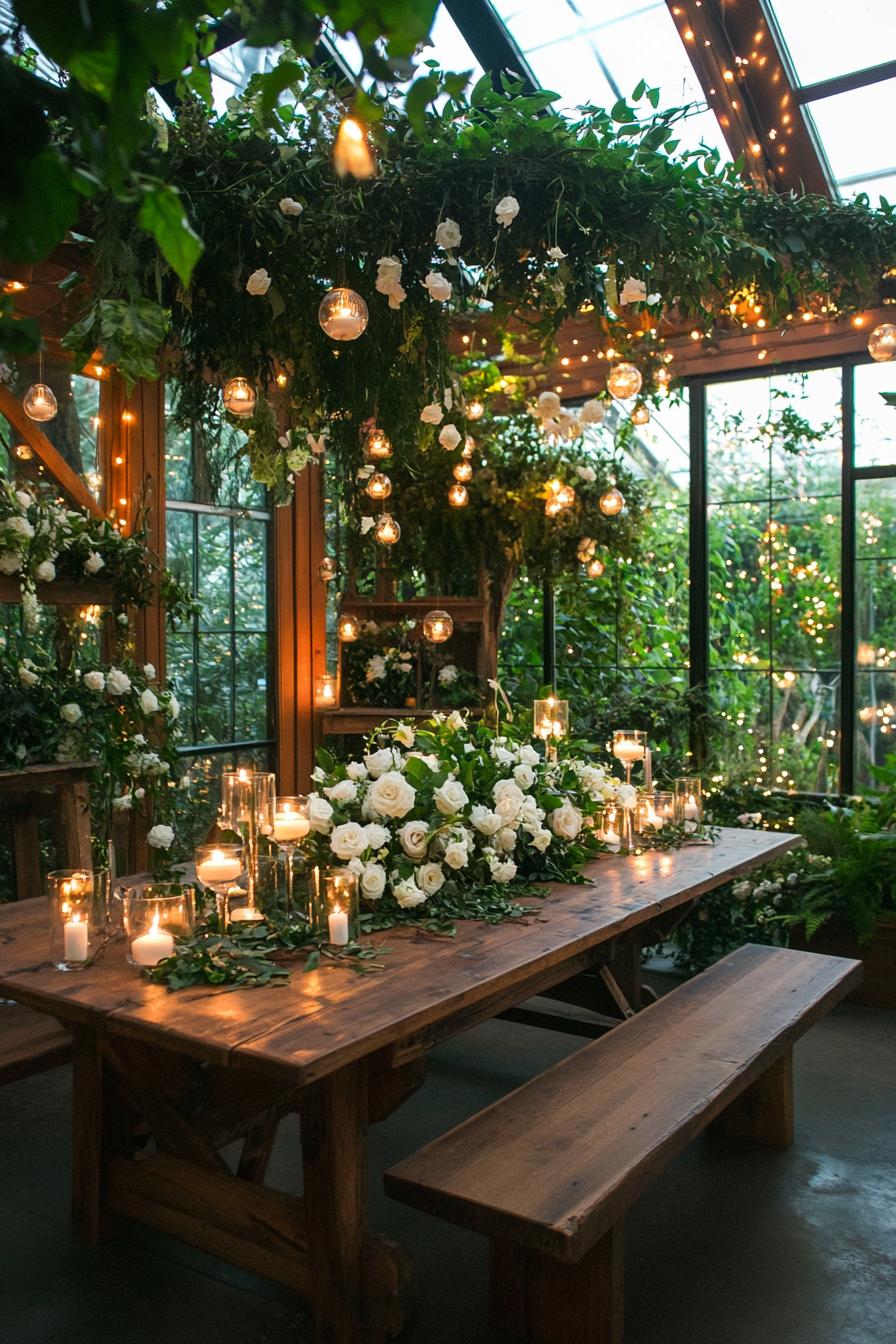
{"x":875,"y":417}
{"x":250,"y":574}
{"x":214,"y":699}
{"x":804,"y":745}
{"x":856,"y":127}
{"x":741,"y":700}
{"x":740,"y":558}
{"x":876,"y":518}
{"x":251,"y":671}
{"x":805,"y":585}
{"x":181,"y":673}
{"x":828,"y":38}
{"x":876,"y":735}
{"x":180,"y":543}
{"x":215,"y":571}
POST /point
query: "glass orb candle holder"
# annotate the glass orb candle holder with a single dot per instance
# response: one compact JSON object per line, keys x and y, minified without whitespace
{"x":566,"y":496}
{"x":469,"y":447}
{"x":291,"y":825}
{"x":239,"y":397}
{"x":336,"y":905}
{"x":688,"y":792}
{"x":39,"y":403}
{"x":219,"y":867}
{"x":438,"y":626}
{"x":379,"y":486}
{"x":475,"y":410}
{"x":343,"y":314}
{"x":641,"y":414}
{"x":629,"y":746}
{"x":387,"y":530}
{"x":550,"y":723}
{"x":595,"y":568}
{"x":155,"y":914}
{"x":325,"y":690}
{"x":377,"y":446}
{"x":349,"y":627}
{"x":624,"y":381}
{"x":463,"y":472}
{"x":79,"y":915}
{"x":328,"y":569}
{"x":611,"y":502}
{"x":458,"y":496}
{"x":882,"y":342}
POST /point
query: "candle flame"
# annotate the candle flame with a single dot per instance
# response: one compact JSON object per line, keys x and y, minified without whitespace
{"x":76,"y":918}
{"x":217,"y":855}
{"x":337,"y":909}
{"x":154,"y":926}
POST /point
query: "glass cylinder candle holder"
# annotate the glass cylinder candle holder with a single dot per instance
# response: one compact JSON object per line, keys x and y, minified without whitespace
{"x":337,"y":913}
{"x":650,"y":815}
{"x":688,"y":802}
{"x":550,"y":723}
{"x":325,"y":690}
{"x":155,"y":914}
{"x":291,"y":825}
{"x":79,"y":915}
{"x":607,"y":831}
{"x":240,"y":908}
{"x":219,"y":867}
{"x":629,"y":746}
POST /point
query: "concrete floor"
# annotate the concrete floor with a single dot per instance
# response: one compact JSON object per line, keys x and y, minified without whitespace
{"x":731,"y":1246}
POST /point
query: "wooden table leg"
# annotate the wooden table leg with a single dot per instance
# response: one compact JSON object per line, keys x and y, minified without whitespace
{"x":89,"y":1079}
{"x":334,"y":1158}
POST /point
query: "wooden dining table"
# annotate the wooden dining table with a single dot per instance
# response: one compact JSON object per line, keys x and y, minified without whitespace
{"x":164,"y":1081}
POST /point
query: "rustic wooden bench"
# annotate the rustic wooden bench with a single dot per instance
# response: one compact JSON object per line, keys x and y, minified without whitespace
{"x":30,"y":1042}
{"x":548,"y":1172}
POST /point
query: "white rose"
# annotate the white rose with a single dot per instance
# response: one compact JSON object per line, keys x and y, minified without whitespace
{"x":486,"y":822}
{"x":741,"y":890}
{"x":502,"y":871}
{"x":27,"y":677}
{"x":456,"y":855}
{"x":557,"y":254}
{"x":70,"y":713}
{"x":432,"y":414}
{"x":373,"y":881}
{"x":391,"y":795}
{"x":290,"y":207}
{"x":377,"y":836}
{"x":117,"y":682}
{"x":123,"y":803}
{"x":529,"y":756}
{"x":414,"y":837}
{"x":633,"y":291}
{"x":407,"y":894}
{"x":524,"y":776}
{"x":366,"y":524}
{"x":148,"y":702}
{"x":541,"y":840}
{"x":448,"y":234}
{"x":589,"y":475}
{"x":626,"y":795}
{"x":505,"y":840}
{"x":9,"y":562}
{"x":24,"y":498}
{"x":160,"y":837}
{"x":447,"y":675}
{"x":259,"y":282}
{"x":349,"y":840}
{"x":566,"y":821}
{"x":320,"y":813}
{"x":506,"y":211}
{"x":404,"y":734}
{"x":173,"y":707}
{"x":430,"y":878}
{"x":428,"y":758}
{"x":451,"y":797}
{"x":508,"y":798}
{"x":397,"y":296}
{"x":592,"y":412}
{"x":94,"y":681}
{"x":378,"y":762}
{"x":356,"y":770}
{"x":439,"y":288}
{"x":388,"y":275}
{"x":548,"y":404}
{"x":45,"y":571}
{"x":344,"y":791}
{"x":20,"y":525}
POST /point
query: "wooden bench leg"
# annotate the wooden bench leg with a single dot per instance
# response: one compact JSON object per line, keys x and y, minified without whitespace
{"x":764,"y":1112}
{"x":535,"y":1299}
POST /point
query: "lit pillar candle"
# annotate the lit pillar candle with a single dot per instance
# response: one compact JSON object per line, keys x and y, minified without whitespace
{"x":691,"y":810}
{"x":218,"y":867}
{"x":337,"y":923}
{"x":153,"y":946}
{"x":245,"y":914}
{"x":75,"y":939}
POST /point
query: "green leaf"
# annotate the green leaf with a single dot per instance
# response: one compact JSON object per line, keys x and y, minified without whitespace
{"x":38,"y":210}
{"x":162,"y":214}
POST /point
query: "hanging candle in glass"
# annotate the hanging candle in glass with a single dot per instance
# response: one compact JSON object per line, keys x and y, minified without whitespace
{"x":377,"y":446}
{"x":882,"y":342}
{"x":379,"y":486}
{"x":39,"y":402}
{"x":343,"y":314}
{"x":437,"y":626}
{"x":611,"y":502}
{"x":458,"y":496}
{"x":352,"y":152}
{"x":349,"y":627}
{"x":475,"y":410}
{"x":641,"y":414}
{"x":239,"y":396}
{"x":387,"y":530}
{"x":566,"y":496}
{"x":624,"y":380}
{"x":463,"y":472}
{"x":595,"y":568}
{"x":327,"y":569}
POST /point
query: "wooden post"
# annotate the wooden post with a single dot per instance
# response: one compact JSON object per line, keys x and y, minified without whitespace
{"x":89,"y":1078}
{"x":764,"y":1112}
{"x":535,"y":1299}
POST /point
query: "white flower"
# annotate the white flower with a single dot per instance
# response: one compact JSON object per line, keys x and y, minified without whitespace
{"x":388,"y":275}
{"x":557,"y":254}
{"x":27,"y":677}
{"x":506,"y":211}
{"x":448,"y":234}
{"x":290,"y":207}
{"x":148,"y":702}
{"x":117,"y":682}
{"x":528,"y":755}
{"x":123,"y":803}
{"x":366,"y":524}
{"x":349,"y":840}
{"x":432,"y":414}
{"x":413,"y":837}
{"x":149,"y":672}
{"x":378,"y":762}
{"x":24,"y":498}
{"x":439,"y":288}
{"x":449,"y":438}
{"x":502,"y":870}
{"x":356,"y":770}
{"x":447,"y":674}
{"x":524,"y":776}
{"x":407,"y":894}
{"x":71,"y":712}
{"x":455,"y":721}
{"x":18,"y":524}
{"x":548,"y":404}
{"x":430,"y":878}
{"x":372,"y":881}
{"x":377,"y":835}
{"x":486,"y":822}
{"x":505,"y":840}
{"x":451,"y":797}
{"x":9,"y":562}
{"x":259,"y":282}
{"x":343,"y":791}
{"x":404,"y":734}
{"x":626,"y":795}
{"x":161,"y":837}
{"x":633,"y":291}
{"x":45,"y":572}
{"x":391,"y":795}
{"x":173,"y":706}
{"x":541,"y":840}
{"x":592,"y":412}
{"x":741,"y":890}
{"x":94,"y":681}
{"x":750,"y":818}
{"x":508,"y":798}
{"x":320,"y":813}
{"x":586,"y":473}
{"x":456,"y":855}
{"x":428,"y":758}
{"x":566,"y":821}
{"x":375,"y":670}
{"x":397,"y":296}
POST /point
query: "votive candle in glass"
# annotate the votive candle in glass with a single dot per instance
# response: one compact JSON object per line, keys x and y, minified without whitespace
{"x":688,"y":802}
{"x":550,"y":723}
{"x":336,"y":905}
{"x":79,"y":915}
{"x":629,"y":746}
{"x":291,"y":825}
{"x":155,"y":914}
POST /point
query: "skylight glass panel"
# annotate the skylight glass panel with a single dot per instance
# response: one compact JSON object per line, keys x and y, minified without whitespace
{"x":596,"y":51}
{"x":827,"y":38}
{"x":856,"y":130}
{"x":875,"y":187}
{"x":447,"y":45}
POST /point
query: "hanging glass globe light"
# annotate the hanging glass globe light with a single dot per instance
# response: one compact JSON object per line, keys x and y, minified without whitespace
{"x":469,"y":446}
{"x":566,"y":496}
{"x":462,"y":472}
{"x":349,"y":628}
{"x":377,"y":446}
{"x":458,"y":496}
{"x":327,"y":569}
{"x":662,"y":377}
{"x":882,"y":342}
{"x":39,"y":402}
{"x":595,"y":569}
{"x":611,"y":502}
{"x":239,"y":396}
{"x":552,"y":506}
{"x":640,"y":415}
{"x":379,"y":486}
{"x":343,"y":314}
{"x":624,"y":381}
{"x":475,"y":410}
{"x":437,"y":626}
{"x":387,"y":530}
{"x":352,"y":152}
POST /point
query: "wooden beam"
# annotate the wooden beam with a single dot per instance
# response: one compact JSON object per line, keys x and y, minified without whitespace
{"x":68,"y":481}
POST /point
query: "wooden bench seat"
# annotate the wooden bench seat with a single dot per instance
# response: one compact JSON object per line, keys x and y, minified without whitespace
{"x":30,"y":1042}
{"x":549,"y":1171}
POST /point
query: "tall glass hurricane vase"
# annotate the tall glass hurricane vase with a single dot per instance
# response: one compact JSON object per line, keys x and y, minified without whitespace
{"x":291,"y":823}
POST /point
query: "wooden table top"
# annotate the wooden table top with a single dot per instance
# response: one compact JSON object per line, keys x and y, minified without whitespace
{"x":318,"y":1022}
